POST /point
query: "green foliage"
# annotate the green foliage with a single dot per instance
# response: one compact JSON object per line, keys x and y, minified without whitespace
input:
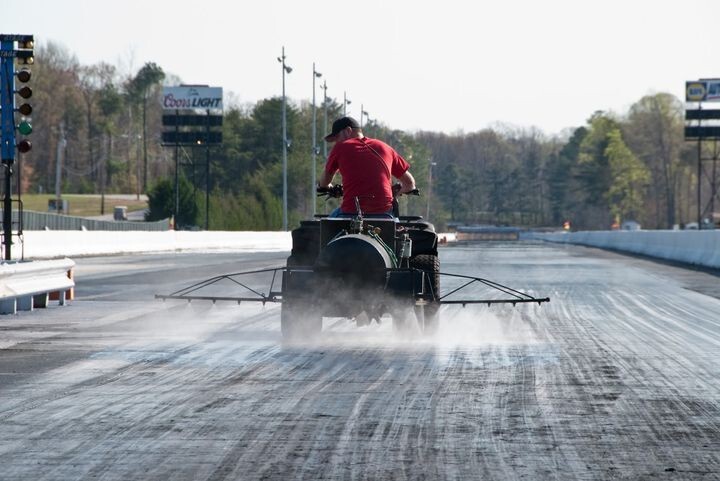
{"x":161,"y":202}
{"x":636,"y":165}
{"x":110,"y":100}
{"x":654,"y":131}
{"x":256,"y":208}
{"x":563,"y":189}
{"x":593,"y":164}
{"x":149,"y":75}
{"x":82,"y":185}
{"x":629,"y":178}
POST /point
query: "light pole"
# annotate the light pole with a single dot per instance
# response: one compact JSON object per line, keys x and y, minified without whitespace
{"x":346,"y":102}
{"x":429,"y":190}
{"x":315,"y":149}
{"x":325,"y":118}
{"x":288,"y":69}
{"x":363,"y":112}
{"x":60,"y":153}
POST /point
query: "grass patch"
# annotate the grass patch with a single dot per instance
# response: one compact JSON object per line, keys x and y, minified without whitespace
{"x":84,"y":205}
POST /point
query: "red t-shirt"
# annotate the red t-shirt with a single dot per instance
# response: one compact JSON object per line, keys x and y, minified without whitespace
{"x":367,"y":167}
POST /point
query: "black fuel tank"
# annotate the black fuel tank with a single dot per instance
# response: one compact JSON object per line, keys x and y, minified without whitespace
{"x":356,"y":258}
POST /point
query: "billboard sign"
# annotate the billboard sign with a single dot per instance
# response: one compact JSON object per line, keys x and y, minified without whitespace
{"x":702,"y":91}
{"x":713,"y":91}
{"x":192,"y":97}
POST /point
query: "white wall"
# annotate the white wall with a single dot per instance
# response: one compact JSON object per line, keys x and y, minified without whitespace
{"x":700,"y":247}
{"x":54,"y":244}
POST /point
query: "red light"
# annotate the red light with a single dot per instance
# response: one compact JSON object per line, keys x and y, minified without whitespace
{"x":24,"y":146}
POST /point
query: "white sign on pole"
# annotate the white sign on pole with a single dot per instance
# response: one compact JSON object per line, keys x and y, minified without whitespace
{"x":192,"y":97}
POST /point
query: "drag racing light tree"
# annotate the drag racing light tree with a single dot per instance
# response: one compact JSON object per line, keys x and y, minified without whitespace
{"x":285,"y":69}
{"x":12,"y":48}
{"x":25,"y":56}
{"x":24,"y":127}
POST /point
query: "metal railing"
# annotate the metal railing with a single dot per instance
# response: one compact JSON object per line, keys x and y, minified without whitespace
{"x":45,"y":221}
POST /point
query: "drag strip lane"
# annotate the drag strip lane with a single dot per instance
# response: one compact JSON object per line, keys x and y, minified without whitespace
{"x":617,"y":376}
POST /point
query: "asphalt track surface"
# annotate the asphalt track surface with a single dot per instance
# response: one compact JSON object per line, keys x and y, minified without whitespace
{"x":618,"y":377}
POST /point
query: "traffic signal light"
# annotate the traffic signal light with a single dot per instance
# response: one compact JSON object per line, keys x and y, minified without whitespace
{"x":13,"y":49}
{"x":24,"y":146}
{"x":25,"y":51}
{"x":24,"y":127}
{"x":25,"y":92}
{"x":24,"y":54}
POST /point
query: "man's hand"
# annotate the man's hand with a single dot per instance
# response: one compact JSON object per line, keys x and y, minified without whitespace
{"x":330,"y":191}
{"x":407,"y":182}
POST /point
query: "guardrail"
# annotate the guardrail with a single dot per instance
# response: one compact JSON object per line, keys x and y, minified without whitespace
{"x":27,"y":285}
{"x":33,"y":220}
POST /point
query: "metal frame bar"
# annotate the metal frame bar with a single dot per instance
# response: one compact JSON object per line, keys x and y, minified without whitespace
{"x":519,"y":297}
{"x":186,"y":293}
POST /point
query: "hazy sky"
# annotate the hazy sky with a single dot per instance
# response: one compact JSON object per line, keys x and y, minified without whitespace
{"x":414,"y":64}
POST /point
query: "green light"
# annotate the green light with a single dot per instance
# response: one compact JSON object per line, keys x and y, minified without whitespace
{"x":25,"y":128}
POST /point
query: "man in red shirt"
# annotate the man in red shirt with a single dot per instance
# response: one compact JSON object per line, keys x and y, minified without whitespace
{"x":367,"y":167}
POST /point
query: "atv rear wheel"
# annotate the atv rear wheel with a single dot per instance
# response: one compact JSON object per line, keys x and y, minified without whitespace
{"x":402,"y":320}
{"x":300,"y":317}
{"x":300,"y":321}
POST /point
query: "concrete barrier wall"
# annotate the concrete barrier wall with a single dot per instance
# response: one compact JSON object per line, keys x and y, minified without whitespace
{"x":699,"y":247}
{"x":53,"y":244}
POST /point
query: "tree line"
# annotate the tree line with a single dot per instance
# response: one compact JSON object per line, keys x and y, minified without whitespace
{"x":104,"y":126}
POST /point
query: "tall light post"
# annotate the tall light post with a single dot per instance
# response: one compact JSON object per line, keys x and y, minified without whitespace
{"x":315,"y":149}
{"x":346,"y":102}
{"x":363,"y":113}
{"x":60,"y":153}
{"x":429,"y":189}
{"x":325,"y":118}
{"x":285,"y":69}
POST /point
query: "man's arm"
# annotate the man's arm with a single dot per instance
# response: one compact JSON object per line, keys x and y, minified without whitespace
{"x":325,"y":179}
{"x":407,"y":182}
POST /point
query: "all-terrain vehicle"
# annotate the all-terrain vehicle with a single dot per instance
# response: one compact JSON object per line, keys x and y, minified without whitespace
{"x":361,"y":267}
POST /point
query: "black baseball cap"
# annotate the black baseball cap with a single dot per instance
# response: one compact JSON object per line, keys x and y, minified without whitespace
{"x":341,"y":124}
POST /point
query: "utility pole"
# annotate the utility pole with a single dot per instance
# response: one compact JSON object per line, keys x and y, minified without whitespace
{"x":59,"y":155}
{"x":285,"y":69}
{"x":207,"y":170}
{"x":346,"y":102}
{"x":429,"y":189}
{"x":144,"y":139}
{"x":315,"y":149}
{"x":325,"y":118}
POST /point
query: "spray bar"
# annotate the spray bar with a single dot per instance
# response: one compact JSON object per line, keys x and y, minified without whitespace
{"x":191,"y":293}
{"x":186,"y":292}
{"x":517,"y":296}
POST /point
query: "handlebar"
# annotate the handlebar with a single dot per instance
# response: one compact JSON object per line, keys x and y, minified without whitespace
{"x":396,"y":191}
{"x":336,"y":191}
